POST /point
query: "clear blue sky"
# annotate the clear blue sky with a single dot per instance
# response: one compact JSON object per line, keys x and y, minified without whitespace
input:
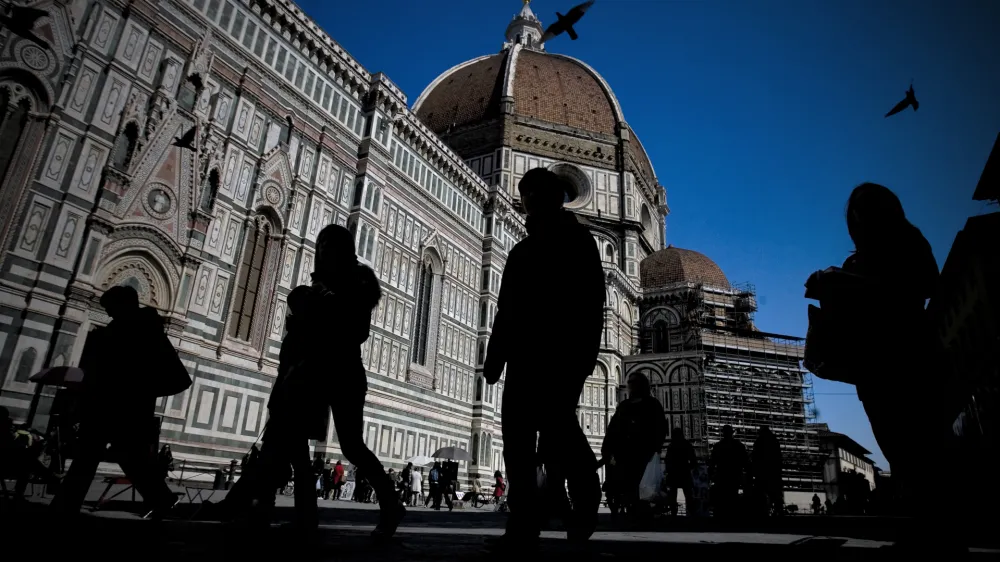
{"x":759,"y":117}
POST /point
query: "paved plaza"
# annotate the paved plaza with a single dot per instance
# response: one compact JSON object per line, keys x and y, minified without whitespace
{"x":118,"y":532}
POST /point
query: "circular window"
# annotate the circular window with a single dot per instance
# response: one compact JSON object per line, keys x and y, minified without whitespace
{"x":159,"y":203}
{"x":578,"y":192}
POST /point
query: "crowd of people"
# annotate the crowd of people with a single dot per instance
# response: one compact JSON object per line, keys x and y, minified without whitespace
{"x":554,"y":272}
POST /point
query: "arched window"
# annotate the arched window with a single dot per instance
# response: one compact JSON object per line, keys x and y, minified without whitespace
{"x":13,"y":120}
{"x":421,"y":328}
{"x":482,"y":353}
{"x":211,"y":190}
{"x":26,"y":365}
{"x":479,"y":388}
{"x":475,"y":449}
{"x":366,"y":242}
{"x":188,"y":96}
{"x":661,"y":337}
{"x":647,"y":219}
{"x":125,"y":146}
{"x":286,"y":131}
{"x":482,"y":314}
{"x":251,"y":280}
{"x":609,"y":253}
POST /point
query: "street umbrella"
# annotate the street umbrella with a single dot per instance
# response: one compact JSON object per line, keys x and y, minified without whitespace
{"x":452,"y":454}
{"x":420,"y":460}
{"x":59,"y":376}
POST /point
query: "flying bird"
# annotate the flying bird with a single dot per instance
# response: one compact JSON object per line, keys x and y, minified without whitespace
{"x":910,"y":99}
{"x":566,"y":22}
{"x":186,"y":141}
{"x":195,"y":80}
{"x":21,"y":22}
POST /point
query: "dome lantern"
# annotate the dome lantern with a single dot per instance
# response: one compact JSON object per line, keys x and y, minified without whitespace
{"x":525,"y":29}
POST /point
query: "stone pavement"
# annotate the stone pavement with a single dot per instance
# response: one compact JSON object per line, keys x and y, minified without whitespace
{"x":117,"y":532}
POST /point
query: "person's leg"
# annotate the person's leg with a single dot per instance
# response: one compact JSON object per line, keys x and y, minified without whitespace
{"x":672,"y":498}
{"x":348,"y":419}
{"x":519,"y":438}
{"x":689,"y":503}
{"x":574,"y":460}
{"x":139,"y":465}
{"x":305,"y":485}
{"x":73,"y":490}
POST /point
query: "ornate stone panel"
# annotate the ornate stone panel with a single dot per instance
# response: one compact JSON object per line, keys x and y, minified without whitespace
{"x":88,"y":169}
{"x":67,"y":237}
{"x":104,"y":32}
{"x":58,"y":160}
{"x":87,"y":80}
{"x":116,"y":90}
{"x":131,"y":45}
{"x":244,"y":119}
{"x":35,"y":223}
{"x":150,"y":61}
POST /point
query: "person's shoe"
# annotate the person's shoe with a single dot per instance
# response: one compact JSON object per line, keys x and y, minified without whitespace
{"x":389,"y":520}
{"x":159,"y":513}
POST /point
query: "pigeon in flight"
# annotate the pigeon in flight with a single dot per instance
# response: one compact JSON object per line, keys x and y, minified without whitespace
{"x":567,"y":22}
{"x":187,"y":141}
{"x":910,"y":99}
{"x":21,"y":21}
{"x":195,"y":80}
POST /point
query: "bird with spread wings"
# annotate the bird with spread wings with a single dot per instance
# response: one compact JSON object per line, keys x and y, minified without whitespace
{"x":910,"y":99}
{"x":566,"y":23}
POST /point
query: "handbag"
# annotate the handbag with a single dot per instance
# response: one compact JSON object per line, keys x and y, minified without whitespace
{"x":652,"y":477}
{"x":826,"y":353}
{"x":169,"y":376}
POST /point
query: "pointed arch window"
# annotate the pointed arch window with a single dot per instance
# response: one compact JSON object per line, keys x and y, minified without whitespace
{"x":26,"y":365}
{"x":211,"y":191}
{"x":13,"y":121}
{"x":425,"y":294}
{"x":248,"y":299}
{"x":366,"y":242}
{"x":125,"y":146}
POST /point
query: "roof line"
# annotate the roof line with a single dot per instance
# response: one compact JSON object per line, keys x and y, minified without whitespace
{"x":439,"y":79}
{"x":510,"y":70}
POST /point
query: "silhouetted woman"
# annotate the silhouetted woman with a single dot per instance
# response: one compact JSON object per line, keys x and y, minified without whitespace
{"x":337,"y":307}
{"x":880,"y":311}
{"x":635,"y":432}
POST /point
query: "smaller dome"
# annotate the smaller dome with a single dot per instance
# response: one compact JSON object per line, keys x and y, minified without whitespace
{"x":677,"y":265}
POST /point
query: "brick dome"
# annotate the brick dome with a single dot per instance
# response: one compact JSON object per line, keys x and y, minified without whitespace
{"x":677,"y":265}
{"x":547,"y":87}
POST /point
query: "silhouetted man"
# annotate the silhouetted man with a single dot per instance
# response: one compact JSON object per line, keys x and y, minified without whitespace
{"x":119,"y":402}
{"x":547,"y":332}
{"x":765,"y":462}
{"x":728,"y":466}
{"x":681,"y":462}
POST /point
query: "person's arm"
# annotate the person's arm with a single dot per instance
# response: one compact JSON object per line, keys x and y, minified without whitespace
{"x":498,"y":350}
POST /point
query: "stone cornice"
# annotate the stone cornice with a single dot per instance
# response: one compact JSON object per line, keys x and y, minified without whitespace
{"x":303,"y":33}
{"x":411,"y":130}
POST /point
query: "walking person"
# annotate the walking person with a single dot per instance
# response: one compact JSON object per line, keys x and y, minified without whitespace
{"x":555,"y":272}
{"x":118,"y":407}
{"x":765,"y":464}
{"x":728,"y":467}
{"x":681,"y":464}
{"x":416,"y":487}
{"x":635,"y":433}
{"x":320,"y":359}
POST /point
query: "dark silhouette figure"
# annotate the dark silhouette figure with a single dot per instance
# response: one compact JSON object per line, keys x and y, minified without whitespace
{"x":165,"y":459}
{"x":909,"y":100}
{"x":118,"y":405}
{"x":20,"y":20}
{"x":320,"y":368}
{"x":681,"y":463}
{"x":555,"y":272}
{"x":765,"y":463}
{"x":727,"y":468}
{"x":405,"y":481}
{"x":891,"y":274}
{"x":187,"y":140}
{"x":566,"y":23}
{"x":195,"y":80}
{"x":635,"y":433}
{"x":817,"y":506}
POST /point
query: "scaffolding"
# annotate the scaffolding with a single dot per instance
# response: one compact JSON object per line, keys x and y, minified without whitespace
{"x":749,"y":378}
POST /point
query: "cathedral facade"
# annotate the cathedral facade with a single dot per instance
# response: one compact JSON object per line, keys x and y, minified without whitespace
{"x":193,"y":149}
